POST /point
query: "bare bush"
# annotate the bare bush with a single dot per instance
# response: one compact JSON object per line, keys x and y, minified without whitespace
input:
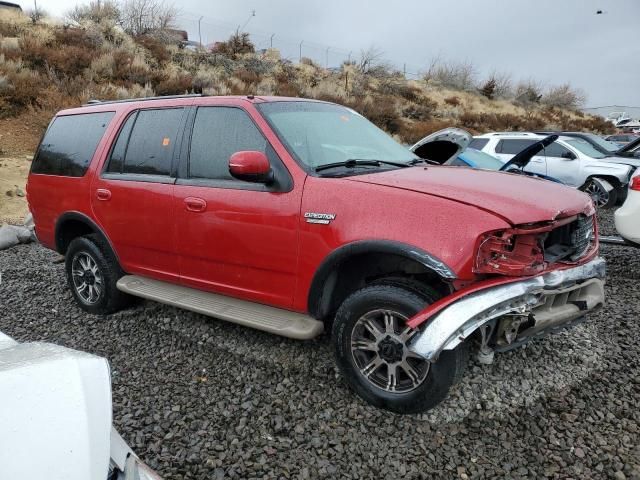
{"x":504,"y":84}
{"x":564,"y":96}
{"x":96,"y":11}
{"x":372,"y":62}
{"x":456,"y":75}
{"x":238,"y":44}
{"x":139,"y":17}
{"x":36,"y":14}
{"x":528,"y":92}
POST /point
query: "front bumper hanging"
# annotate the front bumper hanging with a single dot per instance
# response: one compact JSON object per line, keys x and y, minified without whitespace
{"x":548,"y":300}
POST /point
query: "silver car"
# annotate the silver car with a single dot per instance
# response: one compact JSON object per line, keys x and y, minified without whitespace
{"x":571,"y":160}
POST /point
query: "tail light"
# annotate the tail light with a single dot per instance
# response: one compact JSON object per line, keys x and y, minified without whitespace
{"x":635,"y":183}
{"x":510,"y":253}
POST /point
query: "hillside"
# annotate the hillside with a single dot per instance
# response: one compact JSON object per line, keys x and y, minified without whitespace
{"x":48,"y":66}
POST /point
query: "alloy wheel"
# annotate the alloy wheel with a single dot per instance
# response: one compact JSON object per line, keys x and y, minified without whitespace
{"x":379,"y":349}
{"x":599,"y":195}
{"x":87,"y":279}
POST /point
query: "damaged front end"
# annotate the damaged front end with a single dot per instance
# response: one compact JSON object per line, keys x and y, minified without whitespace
{"x":513,"y":311}
{"x":538,"y":286}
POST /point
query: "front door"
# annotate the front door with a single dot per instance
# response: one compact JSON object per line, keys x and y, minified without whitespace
{"x":133,"y":197}
{"x":233,"y":237}
{"x":562,"y":164}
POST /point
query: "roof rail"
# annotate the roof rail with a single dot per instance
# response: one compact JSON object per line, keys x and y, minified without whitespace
{"x":142,"y":99}
{"x":525,"y":134}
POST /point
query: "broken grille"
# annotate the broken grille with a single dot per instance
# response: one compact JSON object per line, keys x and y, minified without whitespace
{"x":569,"y":242}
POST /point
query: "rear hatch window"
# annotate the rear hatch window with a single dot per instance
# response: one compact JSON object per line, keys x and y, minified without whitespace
{"x":70,"y":143}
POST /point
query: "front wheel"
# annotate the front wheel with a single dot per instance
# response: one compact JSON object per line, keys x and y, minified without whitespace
{"x":371,"y":340}
{"x":603,"y":194}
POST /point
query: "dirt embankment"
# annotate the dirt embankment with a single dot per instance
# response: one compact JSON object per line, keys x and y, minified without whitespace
{"x":19,"y":138}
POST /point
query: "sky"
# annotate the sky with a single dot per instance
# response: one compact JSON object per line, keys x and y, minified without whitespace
{"x":553,"y":41}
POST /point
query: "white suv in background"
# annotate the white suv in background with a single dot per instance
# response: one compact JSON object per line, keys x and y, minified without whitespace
{"x":627,"y":217}
{"x":571,"y":160}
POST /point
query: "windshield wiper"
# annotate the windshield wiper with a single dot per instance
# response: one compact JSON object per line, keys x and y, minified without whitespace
{"x":357,"y":162}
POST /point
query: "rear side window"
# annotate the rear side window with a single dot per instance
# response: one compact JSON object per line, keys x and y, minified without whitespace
{"x":218,"y":133}
{"x":70,"y":143}
{"x":513,"y":147}
{"x":146,"y":143}
{"x":478,"y":143}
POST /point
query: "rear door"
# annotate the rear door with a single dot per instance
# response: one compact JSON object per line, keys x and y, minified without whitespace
{"x":132,"y":198}
{"x":234,"y":237}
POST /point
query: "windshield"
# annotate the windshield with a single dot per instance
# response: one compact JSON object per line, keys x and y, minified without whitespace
{"x":478,"y":159}
{"x":606,"y":144}
{"x":585,"y":147}
{"x":321,"y":134}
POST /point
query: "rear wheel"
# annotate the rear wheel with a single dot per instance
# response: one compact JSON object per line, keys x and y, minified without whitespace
{"x":371,"y":340}
{"x":92,"y":272}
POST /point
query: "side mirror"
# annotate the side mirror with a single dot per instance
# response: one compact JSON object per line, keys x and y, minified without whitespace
{"x":569,"y":156}
{"x":251,"y":166}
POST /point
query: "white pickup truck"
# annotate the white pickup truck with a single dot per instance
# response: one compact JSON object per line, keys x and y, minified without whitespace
{"x":55,"y":417}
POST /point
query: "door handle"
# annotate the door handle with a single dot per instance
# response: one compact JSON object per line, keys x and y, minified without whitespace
{"x":193,"y":204}
{"x":103,"y":194}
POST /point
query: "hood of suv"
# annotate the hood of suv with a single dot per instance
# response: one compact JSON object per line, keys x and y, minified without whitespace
{"x":631,"y":161}
{"x":517,"y":199}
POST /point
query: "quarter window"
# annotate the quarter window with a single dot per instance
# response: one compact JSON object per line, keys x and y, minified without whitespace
{"x":67,"y":152}
{"x":218,"y":133}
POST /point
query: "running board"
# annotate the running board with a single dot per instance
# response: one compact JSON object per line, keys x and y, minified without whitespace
{"x":612,"y":240}
{"x":261,"y":317}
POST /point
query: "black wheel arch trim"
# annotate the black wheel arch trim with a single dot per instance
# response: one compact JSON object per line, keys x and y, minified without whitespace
{"x":81,"y":217}
{"x":360,"y":247}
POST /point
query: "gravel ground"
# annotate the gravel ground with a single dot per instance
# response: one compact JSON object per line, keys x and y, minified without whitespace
{"x":198,"y":398}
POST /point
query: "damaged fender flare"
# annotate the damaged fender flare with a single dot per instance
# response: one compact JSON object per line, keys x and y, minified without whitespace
{"x":361,"y":247}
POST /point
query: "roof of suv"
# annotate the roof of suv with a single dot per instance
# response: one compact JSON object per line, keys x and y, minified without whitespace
{"x":173,"y":100}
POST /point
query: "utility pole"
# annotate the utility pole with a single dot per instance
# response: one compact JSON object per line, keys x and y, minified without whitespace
{"x":271,"y":40}
{"x":327,"y":58}
{"x":200,"y":30}
{"x":300,"y":57}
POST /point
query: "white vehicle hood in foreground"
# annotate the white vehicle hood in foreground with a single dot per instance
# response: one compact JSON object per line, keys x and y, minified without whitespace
{"x":55,"y":413}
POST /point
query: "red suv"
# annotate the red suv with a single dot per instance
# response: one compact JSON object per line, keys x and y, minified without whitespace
{"x":293,"y":216}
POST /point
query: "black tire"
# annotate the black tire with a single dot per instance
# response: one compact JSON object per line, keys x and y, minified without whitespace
{"x":440,"y":376}
{"x":109,"y":299}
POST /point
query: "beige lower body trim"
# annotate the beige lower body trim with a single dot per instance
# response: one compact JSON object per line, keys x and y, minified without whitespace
{"x":261,"y":317}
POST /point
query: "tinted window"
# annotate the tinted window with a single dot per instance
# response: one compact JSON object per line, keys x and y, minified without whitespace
{"x":478,"y":143}
{"x":512,"y":147}
{"x":120,"y":148}
{"x":553,"y":150}
{"x":218,"y":133}
{"x":70,"y":143}
{"x":152,"y":142}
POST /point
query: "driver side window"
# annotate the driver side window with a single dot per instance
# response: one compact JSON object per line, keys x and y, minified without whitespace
{"x":218,"y":133}
{"x":554,"y":150}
